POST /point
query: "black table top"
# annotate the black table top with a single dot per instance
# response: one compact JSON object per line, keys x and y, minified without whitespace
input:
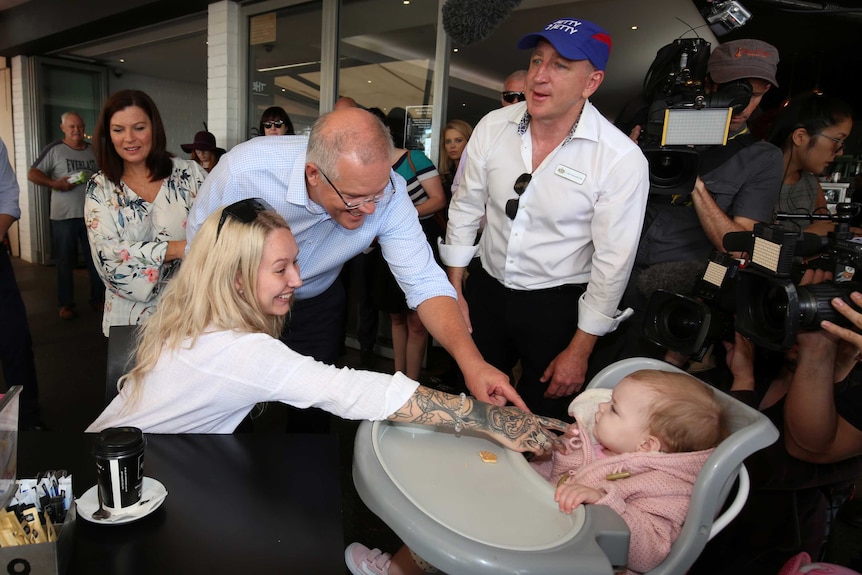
{"x":243,"y":503}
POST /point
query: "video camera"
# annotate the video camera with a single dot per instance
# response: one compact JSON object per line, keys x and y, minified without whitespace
{"x":726,"y":16}
{"x":773,"y":307}
{"x":689,"y":324}
{"x":681,"y":114}
{"x":764,"y":295}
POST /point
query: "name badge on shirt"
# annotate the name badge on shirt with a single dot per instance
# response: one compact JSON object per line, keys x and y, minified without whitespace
{"x":570,"y":174}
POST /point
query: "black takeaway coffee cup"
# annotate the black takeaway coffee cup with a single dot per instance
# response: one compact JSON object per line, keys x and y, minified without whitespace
{"x":119,"y":453}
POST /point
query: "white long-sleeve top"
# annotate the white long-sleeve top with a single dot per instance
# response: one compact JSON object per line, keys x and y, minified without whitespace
{"x":212,"y":386}
{"x":578,"y":221}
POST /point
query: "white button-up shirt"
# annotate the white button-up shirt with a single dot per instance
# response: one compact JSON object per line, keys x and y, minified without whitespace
{"x":578,"y":221}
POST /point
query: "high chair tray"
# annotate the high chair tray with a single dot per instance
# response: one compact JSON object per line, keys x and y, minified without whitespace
{"x":467,"y":515}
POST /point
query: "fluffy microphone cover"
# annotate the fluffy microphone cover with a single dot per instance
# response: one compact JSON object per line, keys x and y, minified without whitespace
{"x":468,"y":21}
{"x":676,"y":277}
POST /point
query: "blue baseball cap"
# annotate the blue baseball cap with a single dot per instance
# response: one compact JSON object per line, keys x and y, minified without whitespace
{"x":573,"y":39}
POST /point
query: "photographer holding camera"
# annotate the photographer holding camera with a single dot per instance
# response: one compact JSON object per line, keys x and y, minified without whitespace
{"x":736,"y":187}
{"x":737,"y":184}
{"x":822,"y":424}
{"x":815,"y":397}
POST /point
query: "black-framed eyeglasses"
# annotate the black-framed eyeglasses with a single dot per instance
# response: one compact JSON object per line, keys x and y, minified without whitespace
{"x":839,"y":141}
{"x":520,"y":187}
{"x":244,"y":210}
{"x":273,"y":124}
{"x":354,"y":205}
{"x":512,"y":97}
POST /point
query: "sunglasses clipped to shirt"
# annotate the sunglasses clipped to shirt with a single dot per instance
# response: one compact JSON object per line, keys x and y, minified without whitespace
{"x":512,"y":97}
{"x":520,"y":187}
{"x":273,"y":124}
{"x":244,"y":210}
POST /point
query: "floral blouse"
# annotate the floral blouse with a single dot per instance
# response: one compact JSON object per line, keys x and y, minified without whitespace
{"x":129,"y":238}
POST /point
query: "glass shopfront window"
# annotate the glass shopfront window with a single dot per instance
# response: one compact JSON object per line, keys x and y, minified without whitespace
{"x":284,"y":55}
{"x":387,"y":61}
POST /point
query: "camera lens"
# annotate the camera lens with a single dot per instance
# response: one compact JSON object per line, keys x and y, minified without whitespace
{"x":775,"y":308}
{"x":683,"y":323}
{"x":677,"y":322}
{"x":767,"y":311}
{"x":815,"y":303}
{"x":671,"y":171}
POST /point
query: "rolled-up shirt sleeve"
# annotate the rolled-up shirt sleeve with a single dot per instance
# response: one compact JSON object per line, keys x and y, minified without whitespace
{"x":466,"y":209}
{"x":408,"y":253}
{"x":616,"y":229}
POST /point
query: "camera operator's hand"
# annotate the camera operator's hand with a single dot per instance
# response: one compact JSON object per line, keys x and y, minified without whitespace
{"x":740,"y":361}
{"x":676,"y":358}
{"x":815,"y":276}
{"x":848,"y":335}
{"x":814,"y":430}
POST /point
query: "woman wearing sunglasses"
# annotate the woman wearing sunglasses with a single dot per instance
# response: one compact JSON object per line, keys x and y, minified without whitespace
{"x":275,"y":122}
{"x":136,"y":207}
{"x":211,"y":350}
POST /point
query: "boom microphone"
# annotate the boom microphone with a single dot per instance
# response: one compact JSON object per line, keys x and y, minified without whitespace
{"x":468,"y":21}
{"x":677,"y":277}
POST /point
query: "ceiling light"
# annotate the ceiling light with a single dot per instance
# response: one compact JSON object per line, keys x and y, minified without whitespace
{"x":634,"y":27}
{"x":122,"y":60}
{"x":454,"y":49}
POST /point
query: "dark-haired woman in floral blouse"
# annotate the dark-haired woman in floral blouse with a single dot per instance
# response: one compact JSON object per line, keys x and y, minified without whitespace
{"x":136,"y":207}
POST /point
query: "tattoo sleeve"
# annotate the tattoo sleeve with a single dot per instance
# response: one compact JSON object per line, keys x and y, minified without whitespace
{"x":510,"y":426}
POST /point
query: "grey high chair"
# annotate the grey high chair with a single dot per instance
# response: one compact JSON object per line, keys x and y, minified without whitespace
{"x":469,"y":517}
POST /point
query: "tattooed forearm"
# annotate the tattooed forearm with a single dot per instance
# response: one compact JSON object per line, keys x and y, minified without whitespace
{"x":431,"y":407}
{"x":509,"y":425}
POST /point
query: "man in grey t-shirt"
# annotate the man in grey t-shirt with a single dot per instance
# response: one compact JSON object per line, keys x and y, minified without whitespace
{"x":65,"y":166}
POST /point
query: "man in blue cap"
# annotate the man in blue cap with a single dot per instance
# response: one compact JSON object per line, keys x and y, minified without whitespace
{"x":564,"y":192}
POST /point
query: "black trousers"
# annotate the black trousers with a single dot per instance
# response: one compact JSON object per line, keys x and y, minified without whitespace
{"x":16,"y":345}
{"x":530,"y":326}
{"x":315,"y":327}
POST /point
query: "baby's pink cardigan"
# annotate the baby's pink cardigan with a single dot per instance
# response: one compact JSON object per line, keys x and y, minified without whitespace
{"x":653,"y":500}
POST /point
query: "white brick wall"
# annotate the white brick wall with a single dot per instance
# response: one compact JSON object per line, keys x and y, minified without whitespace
{"x":224,"y":72}
{"x":182,"y":105}
{"x":28,"y":250}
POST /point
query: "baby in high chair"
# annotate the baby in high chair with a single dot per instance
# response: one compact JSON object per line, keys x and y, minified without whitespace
{"x":637,"y":448}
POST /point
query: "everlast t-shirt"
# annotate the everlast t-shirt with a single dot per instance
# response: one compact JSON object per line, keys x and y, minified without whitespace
{"x":57,"y":161}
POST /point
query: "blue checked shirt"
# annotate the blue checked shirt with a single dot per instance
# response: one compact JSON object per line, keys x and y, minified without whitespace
{"x":273,"y":168}
{"x":8,"y":186}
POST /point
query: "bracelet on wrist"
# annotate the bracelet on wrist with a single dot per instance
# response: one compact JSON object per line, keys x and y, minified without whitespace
{"x":459,"y":423}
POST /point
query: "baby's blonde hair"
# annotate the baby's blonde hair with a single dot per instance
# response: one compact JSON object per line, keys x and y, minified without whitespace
{"x":684,"y":413}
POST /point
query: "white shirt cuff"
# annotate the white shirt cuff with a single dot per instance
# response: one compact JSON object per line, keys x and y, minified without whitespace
{"x":456,"y":256}
{"x":595,"y":322}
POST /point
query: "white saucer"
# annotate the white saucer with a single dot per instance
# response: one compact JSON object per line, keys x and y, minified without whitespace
{"x":153,"y":494}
